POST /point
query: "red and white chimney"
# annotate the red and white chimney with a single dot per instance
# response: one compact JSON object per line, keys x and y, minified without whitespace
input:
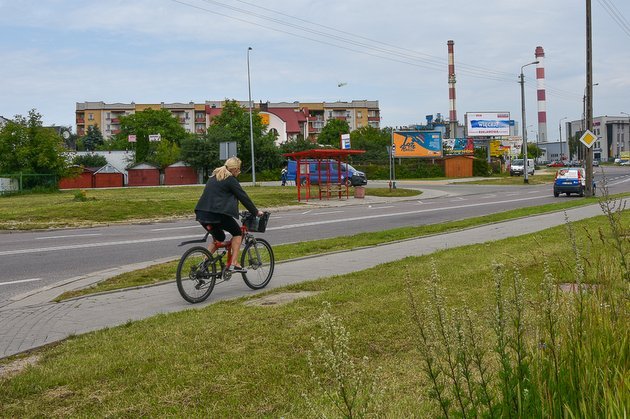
{"x":542,"y":100}
{"x":452,"y":115}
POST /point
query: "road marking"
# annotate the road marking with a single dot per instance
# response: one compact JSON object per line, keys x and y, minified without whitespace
{"x":99,"y":244}
{"x":71,"y":235}
{"x":388,"y":206}
{"x":420,"y":202}
{"x":20,"y":281}
{"x":306,"y":212}
{"x":457,"y":199}
{"x":175,"y":228}
{"x":395,"y":214}
{"x":491,"y":196}
{"x":285,"y":227}
{"x":328,"y":212}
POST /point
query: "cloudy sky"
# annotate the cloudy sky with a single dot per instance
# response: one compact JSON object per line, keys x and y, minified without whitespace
{"x":55,"y":53}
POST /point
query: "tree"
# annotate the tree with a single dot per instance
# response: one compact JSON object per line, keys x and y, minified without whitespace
{"x":331,"y":133}
{"x":27,"y":147}
{"x":232,"y":124}
{"x":145,"y":123}
{"x":93,"y":139}
{"x":90,"y":160}
{"x":299,"y":144}
{"x":376,"y":143}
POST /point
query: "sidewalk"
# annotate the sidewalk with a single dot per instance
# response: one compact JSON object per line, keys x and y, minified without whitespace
{"x":34,"y":321}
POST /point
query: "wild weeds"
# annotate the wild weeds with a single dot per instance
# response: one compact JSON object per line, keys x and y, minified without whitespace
{"x":567,"y":356}
{"x":340,"y":381}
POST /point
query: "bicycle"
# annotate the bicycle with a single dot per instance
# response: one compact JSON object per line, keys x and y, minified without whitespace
{"x":199,"y":271}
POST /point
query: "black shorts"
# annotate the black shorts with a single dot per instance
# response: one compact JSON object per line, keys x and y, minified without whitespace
{"x":217,"y":224}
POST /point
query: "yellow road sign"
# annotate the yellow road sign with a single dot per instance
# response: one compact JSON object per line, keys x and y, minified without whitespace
{"x":588,"y":138}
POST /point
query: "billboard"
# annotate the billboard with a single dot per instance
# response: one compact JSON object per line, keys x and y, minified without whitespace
{"x":458,"y":145}
{"x":488,"y":124}
{"x":417,"y":143}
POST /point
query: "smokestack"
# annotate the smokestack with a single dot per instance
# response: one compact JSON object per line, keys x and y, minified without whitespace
{"x":542,"y":100}
{"x":452,"y":116}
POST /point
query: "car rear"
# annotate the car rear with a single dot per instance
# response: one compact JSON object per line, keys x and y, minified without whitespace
{"x":569,"y":181}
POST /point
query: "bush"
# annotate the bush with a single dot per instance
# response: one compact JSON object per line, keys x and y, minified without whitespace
{"x":89,"y":160}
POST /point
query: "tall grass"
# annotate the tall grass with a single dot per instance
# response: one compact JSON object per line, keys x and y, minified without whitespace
{"x":562,"y":353}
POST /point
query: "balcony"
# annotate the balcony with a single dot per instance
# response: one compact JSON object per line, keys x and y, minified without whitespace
{"x":115,"y":131}
{"x":115,"y":121}
{"x":202,"y":119}
{"x":80,"y":121}
{"x":374,"y":118}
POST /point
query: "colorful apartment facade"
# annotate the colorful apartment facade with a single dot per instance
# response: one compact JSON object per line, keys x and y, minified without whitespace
{"x":287,"y":119}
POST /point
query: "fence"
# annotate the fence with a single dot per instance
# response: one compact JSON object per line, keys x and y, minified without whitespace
{"x":18,"y":182}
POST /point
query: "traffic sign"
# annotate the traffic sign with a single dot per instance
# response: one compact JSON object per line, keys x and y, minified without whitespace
{"x":588,"y":139}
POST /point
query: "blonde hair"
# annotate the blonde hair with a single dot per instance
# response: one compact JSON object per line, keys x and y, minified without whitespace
{"x":223,"y":172}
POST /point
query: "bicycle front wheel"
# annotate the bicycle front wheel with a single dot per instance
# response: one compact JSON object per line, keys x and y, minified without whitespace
{"x":259,"y":261}
{"x":196,"y":274}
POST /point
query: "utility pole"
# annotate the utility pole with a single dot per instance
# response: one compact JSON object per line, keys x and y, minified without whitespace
{"x":589,"y":98}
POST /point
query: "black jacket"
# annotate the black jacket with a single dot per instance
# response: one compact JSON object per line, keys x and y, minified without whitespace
{"x":221,"y":197}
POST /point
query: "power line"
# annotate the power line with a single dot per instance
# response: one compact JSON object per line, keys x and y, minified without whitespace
{"x":616,"y":15}
{"x":404,"y":57}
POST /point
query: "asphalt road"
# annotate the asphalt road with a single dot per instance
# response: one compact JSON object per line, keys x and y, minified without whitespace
{"x":31,"y":260}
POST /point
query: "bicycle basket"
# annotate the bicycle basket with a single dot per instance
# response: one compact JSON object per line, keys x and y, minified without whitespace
{"x":257,"y":224}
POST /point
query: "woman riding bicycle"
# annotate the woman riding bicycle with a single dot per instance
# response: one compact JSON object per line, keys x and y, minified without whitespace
{"x":217,"y":208}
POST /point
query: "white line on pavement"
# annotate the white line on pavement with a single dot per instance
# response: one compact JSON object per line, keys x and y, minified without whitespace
{"x":175,"y":228}
{"x":70,"y":235}
{"x":20,"y":281}
{"x":328,"y":212}
{"x":284,"y":227}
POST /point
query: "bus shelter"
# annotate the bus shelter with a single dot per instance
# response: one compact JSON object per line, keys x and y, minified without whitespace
{"x":323,"y":168}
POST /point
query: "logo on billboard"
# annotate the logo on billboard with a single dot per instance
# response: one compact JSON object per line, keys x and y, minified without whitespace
{"x":417,"y":144}
{"x":488,"y":124}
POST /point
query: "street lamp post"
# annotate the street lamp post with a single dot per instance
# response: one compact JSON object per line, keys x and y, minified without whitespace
{"x":251,"y":125}
{"x":560,"y":128}
{"x":624,"y":141}
{"x":522,"y":82}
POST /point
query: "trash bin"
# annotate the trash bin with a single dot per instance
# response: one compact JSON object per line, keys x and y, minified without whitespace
{"x":359,"y":192}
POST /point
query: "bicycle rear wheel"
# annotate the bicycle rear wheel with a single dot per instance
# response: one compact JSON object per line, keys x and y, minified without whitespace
{"x":196,"y":274}
{"x":259,"y":261}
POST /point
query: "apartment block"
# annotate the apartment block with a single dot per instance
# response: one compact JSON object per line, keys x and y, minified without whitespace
{"x":287,"y":119}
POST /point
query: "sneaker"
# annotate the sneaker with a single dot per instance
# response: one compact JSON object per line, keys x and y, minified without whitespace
{"x":237,"y":269}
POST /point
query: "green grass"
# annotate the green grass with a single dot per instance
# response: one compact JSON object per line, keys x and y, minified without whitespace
{"x":233,"y":360}
{"x":102,"y":206}
{"x":166,"y":271}
{"x":536,"y":179}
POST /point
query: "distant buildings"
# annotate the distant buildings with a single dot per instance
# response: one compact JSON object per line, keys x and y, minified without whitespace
{"x":613,"y":139}
{"x":288,"y":120}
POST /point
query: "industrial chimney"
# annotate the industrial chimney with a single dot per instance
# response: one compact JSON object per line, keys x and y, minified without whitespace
{"x":542,"y":100}
{"x":452,"y":116}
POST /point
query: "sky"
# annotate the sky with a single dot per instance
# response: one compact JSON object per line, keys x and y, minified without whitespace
{"x":55,"y":53}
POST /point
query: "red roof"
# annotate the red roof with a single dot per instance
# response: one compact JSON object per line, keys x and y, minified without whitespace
{"x":291,"y":117}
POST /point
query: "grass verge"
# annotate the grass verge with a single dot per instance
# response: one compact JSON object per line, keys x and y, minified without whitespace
{"x":84,"y":208}
{"x":234,"y":360}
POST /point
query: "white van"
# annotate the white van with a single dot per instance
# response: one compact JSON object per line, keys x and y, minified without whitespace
{"x":517,"y":169}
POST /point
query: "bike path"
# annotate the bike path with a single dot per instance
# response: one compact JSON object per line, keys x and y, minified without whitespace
{"x":33,"y":321}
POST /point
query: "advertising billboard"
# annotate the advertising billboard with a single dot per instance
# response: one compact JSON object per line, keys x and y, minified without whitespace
{"x":417,"y":143}
{"x":488,"y":124}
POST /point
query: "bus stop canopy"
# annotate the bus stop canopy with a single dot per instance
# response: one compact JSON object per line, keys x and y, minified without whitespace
{"x":321,"y":154}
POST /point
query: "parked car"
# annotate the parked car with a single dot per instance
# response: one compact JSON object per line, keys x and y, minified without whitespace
{"x":595,"y":163}
{"x":556,"y":163}
{"x":517,"y":168}
{"x":625,"y":163}
{"x":569,"y":180}
{"x":326,"y":170}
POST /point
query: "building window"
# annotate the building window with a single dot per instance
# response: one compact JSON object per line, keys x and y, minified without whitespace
{"x":359,"y":114}
{"x":90,"y":117}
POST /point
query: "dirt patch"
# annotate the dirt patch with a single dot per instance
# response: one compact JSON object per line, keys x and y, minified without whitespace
{"x":280,"y":298}
{"x":573,"y":287}
{"x":17,"y":366}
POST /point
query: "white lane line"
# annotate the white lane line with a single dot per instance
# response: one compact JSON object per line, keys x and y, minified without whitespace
{"x":387,"y":206}
{"x":285,"y":227}
{"x":99,"y":244}
{"x":420,"y":202}
{"x":70,"y":235}
{"x":457,"y":199}
{"x":306,"y":212}
{"x":395,"y":214}
{"x":20,"y":281}
{"x":328,"y":212}
{"x":175,"y":228}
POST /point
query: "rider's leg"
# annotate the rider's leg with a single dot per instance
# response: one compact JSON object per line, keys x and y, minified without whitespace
{"x":236,"y":245}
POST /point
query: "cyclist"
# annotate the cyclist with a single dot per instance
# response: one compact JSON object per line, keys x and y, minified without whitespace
{"x":217,"y":208}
